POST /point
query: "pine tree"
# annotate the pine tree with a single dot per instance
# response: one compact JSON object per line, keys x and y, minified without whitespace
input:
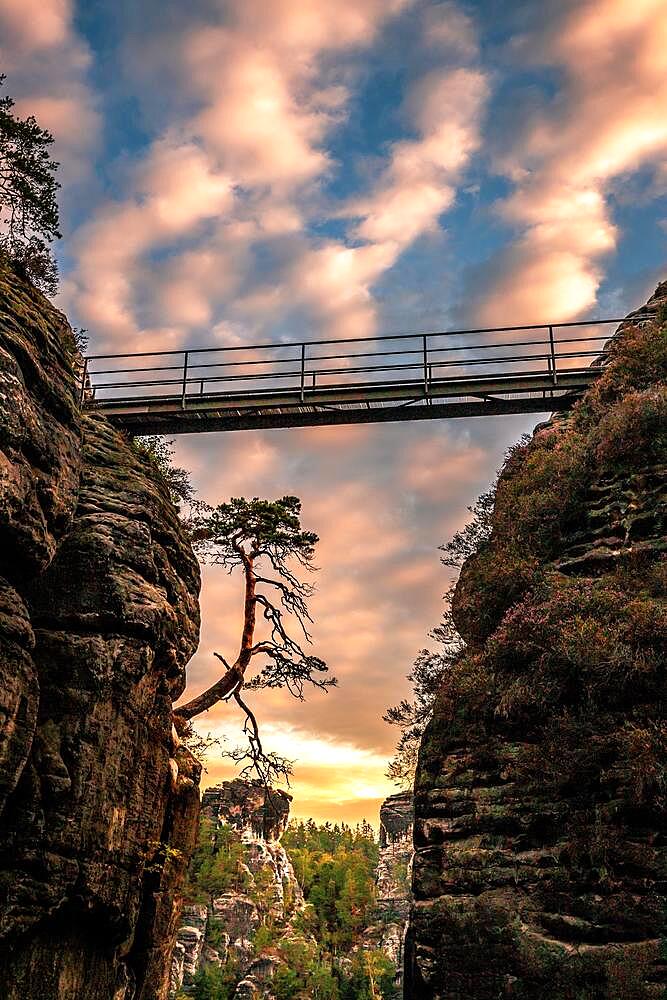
{"x":29,"y":218}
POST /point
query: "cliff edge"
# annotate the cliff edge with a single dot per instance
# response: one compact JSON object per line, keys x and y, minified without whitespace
{"x":98,"y":618}
{"x":540,"y":850}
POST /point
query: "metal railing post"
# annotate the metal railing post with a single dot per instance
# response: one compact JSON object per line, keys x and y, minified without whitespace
{"x":554,"y":373}
{"x":426,"y":381}
{"x":84,"y":378}
{"x":185,"y":378}
{"x":303,"y":370}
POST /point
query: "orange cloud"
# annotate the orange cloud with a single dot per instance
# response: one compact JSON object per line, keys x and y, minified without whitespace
{"x":35,"y":25}
{"x":176,"y":190}
{"x":438,"y":460}
{"x":253,"y":119}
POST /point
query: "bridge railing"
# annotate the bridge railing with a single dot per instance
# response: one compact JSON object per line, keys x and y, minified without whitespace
{"x":298,"y":372}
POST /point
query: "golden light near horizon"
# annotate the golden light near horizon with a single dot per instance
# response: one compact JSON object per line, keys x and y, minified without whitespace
{"x":332,"y":780}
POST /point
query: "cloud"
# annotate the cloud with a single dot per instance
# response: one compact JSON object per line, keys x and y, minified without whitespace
{"x":565,"y":159}
{"x":253,"y":119}
{"x":175,"y":192}
{"x":47,"y":62}
{"x":435,"y":461}
{"x":269,"y":100}
{"x":34,"y":25}
{"x":418,"y":184}
{"x":450,"y":29}
{"x":261,"y":101}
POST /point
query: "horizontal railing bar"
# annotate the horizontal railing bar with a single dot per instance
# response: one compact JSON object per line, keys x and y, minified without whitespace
{"x":359,"y":340}
{"x":513,"y":359}
{"x":515,"y":378}
{"x":344,"y":357}
{"x":130,"y":371}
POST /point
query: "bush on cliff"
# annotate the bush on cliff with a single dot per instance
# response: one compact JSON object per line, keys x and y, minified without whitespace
{"x":541,"y":496}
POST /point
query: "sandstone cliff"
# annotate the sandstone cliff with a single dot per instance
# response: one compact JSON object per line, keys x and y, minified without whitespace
{"x":540,"y":858}
{"x":99,"y":615}
{"x":242,"y":823}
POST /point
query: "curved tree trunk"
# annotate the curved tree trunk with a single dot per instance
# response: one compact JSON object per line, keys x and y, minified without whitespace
{"x":234,"y":675}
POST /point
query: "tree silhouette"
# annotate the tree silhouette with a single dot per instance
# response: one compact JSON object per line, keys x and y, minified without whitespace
{"x":28,"y":207}
{"x":264,"y":539}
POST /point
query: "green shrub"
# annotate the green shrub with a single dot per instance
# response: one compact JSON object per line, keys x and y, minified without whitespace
{"x":215,"y":982}
{"x":635,"y":426}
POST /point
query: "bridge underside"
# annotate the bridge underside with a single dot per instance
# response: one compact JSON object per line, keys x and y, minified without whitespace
{"x":348,"y":404}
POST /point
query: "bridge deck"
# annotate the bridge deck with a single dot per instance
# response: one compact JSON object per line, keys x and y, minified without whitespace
{"x":402,"y":377}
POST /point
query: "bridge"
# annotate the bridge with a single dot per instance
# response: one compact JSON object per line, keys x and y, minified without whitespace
{"x":457,"y":373}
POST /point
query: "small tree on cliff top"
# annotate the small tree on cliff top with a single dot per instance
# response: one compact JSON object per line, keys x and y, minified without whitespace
{"x":28,"y":207}
{"x":264,"y":539}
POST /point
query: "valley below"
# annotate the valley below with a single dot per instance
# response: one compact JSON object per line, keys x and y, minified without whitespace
{"x":277,"y":909}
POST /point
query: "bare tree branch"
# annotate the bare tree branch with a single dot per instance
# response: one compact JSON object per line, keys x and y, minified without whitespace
{"x":270,"y":767}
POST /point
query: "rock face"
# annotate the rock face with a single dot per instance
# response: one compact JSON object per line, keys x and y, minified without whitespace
{"x":98,"y":619}
{"x":223,"y":929}
{"x":249,"y":808}
{"x":393,"y":893}
{"x":189,"y":945}
{"x":540,"y":796}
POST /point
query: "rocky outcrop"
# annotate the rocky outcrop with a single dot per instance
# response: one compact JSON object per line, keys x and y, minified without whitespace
{"x":248,"y":807}
{"x":190,"y":943}
{"x":540,"y":798}
{"x":98,"y":618}
{"x":256,"y":984}
{"x":393,"y":894}
{"x":223,"y":929}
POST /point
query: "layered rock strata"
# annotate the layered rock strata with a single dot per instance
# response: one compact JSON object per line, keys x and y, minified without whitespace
{"x":98,"y":619}
{"x":540,"y":852}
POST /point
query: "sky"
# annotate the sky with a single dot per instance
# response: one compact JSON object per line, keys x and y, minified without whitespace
{"x":276,"y":170}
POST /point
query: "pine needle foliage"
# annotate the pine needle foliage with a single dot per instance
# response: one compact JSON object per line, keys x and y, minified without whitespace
{"x":29,"y":218}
